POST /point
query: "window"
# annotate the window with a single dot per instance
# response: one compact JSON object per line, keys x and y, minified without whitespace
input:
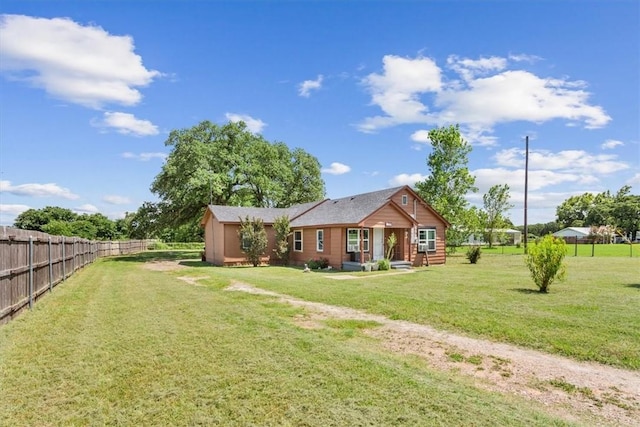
{"x":297,"y":240}
{"x":246,"y":242}
{"x":426,"y":239}
{"x":319,"y":240}
{"x":405,"y":199}
{"x":353,"y":239}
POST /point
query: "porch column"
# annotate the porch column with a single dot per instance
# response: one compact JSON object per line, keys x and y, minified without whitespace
{"x":361,"y":245}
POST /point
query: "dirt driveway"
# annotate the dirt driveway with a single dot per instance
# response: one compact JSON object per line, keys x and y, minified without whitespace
{"x":570,"y":389}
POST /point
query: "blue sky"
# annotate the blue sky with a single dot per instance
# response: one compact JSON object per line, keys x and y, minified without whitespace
{"x":90,"y":90}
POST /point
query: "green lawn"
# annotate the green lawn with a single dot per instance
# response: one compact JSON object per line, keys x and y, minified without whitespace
{"x":120,"y":345}
{"x":592,"y":315}
{"x":580,"y":250}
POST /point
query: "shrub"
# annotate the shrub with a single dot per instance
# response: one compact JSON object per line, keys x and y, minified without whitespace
{"x":544,"y":260}
{"x":384,"y":264}
{"x":283,"y":231}
{"x":473,"y":254}
{"x":253,"y":239}
{"x":320,"y":263}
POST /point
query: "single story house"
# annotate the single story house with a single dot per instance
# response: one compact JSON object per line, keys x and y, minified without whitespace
{"x":597,"y":234}
{"x":349,"y":229}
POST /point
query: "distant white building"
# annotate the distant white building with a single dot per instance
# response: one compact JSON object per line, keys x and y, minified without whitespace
{"x":512,"y":237}
{"x":600,"y":234}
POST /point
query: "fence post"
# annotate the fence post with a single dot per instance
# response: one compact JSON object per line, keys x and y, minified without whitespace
{"x":64,"y":271}
{"x":50,"y":268}
{"x":73,"y":256}
{"x":30,"y":272}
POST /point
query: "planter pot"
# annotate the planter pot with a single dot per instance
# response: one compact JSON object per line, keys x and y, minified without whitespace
{"x":367,"y":267}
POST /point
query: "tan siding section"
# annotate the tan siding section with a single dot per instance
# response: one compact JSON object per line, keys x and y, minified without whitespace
{"x":388,"y":217}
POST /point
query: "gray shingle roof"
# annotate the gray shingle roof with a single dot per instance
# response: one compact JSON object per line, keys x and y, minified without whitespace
{"x":347,"y":210}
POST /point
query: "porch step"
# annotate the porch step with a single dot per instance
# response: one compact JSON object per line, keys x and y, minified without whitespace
{"x":401,"y":265}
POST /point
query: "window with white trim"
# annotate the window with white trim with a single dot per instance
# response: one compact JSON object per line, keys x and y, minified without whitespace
{"x":319,"y":240}
{"x":297,"y":240}
{"x":426,"y":239}
{"x":353,"y":239}
{"x":405,"y":199}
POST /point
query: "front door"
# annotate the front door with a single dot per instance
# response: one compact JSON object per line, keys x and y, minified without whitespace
{"x":378,"y":243}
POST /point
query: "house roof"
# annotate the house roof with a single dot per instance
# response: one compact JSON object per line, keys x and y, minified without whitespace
{"x":573,"y":231}
{"x":347,"y":210}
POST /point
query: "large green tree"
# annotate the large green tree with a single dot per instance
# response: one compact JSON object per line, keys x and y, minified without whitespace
{"x":449,"y":181}
{"x":620,"y":211}
{"x":496,"y":204}
{"x":36,"y":219}
{"x":229,"y":165}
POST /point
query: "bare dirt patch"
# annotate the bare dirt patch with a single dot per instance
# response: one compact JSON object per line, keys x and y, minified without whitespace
{"x":192,"y":280}
{"x":163,"y":265}
{"x":373,"y":276}
{"x":573,"y":390}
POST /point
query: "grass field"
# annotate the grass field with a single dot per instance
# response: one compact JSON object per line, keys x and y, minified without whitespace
{"x":120,"y":345}
{"x":580,"y":250}
{"x":592,"y":315}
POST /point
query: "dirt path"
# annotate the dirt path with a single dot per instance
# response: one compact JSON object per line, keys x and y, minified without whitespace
{"x":571,"y":389}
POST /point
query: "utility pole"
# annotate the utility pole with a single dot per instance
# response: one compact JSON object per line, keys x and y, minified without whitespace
{"x":526,"y":189}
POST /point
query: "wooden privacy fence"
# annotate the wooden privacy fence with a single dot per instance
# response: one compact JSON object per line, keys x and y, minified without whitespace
{"x":32,"y":263}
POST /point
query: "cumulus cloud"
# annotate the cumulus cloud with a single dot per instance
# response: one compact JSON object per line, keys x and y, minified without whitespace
{"x":13,"y":210}
{"x":305,"y":88}
{"x":144,"y":157}
{"x":610,"y":144}
{"x":126,"y":124}
{"x":37,"y":190}
{"x":337,"y":169}
{"x":82,"y":64}
{"x":477,"y":93}
{"x":116,"y":200}
{"x":421,"y":136}
{"x":254,"y":125}
{"x":407,"y":179}
{"x":566,"y":160}
{"x":634,"y":180}
{"x":86,"y":208}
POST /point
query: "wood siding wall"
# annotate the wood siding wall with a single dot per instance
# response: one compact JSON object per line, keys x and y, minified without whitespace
{"x":32,"y":263}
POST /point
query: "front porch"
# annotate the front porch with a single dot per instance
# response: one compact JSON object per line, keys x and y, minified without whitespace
{"x":358,"y":266}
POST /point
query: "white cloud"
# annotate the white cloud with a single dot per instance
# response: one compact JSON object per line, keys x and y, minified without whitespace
{"x":538,"y":179}
{"x":144,"y":157}
{"x":421,"y":136}
{"x":577,"y":161}
{"x":8,"y":213}
{"x":37,"y":190}
{"x":524,"y":58}
{"x":13,"y":209}
{"x":116,"y":200}
{"x":610,"y":144}
{"x":305,"y":88}
{"x":469,"y":68}
{"x":397,"y":91}
{"x":406,"y":179}
{"x":126,"y":124}
{"x":634,"y":180}
{"x":81,"y":64}
{"x":254,"y":125}
{"x":487,"y":94}
{"x":86,"y":208}
{"x":337,"y":169}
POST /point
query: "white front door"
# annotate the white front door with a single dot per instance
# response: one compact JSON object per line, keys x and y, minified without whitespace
{"x":378,"y":243}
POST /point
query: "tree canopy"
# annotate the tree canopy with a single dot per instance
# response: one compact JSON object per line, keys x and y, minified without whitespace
{"x":450,"y":180}
{"x":620,"y":211}
{"x":496,"y":204}
{"x":229,"y":165}
{"x":64,"y":222}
